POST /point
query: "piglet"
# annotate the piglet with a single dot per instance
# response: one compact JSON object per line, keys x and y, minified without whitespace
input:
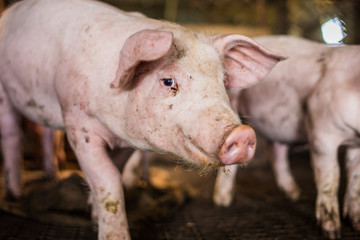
{"x":111,"y":78}
{"x":311,"y":97}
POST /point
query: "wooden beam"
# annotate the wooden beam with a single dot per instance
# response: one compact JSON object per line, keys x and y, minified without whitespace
{"x":1,"y":5}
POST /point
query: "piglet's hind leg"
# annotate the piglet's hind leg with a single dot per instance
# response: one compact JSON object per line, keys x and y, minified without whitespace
{"x":50,"y":163}
{"x":11,"y":147}
{"x":225,"y":185}
{"x":279,"y":159}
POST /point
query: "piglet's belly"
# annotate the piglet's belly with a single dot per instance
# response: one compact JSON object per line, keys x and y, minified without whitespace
{"x":42,"y":110}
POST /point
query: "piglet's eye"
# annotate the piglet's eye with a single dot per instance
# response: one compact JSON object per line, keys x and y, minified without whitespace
{"x":169,"y":82}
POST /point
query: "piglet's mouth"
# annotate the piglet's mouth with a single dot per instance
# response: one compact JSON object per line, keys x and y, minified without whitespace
{"x":197,"y":154}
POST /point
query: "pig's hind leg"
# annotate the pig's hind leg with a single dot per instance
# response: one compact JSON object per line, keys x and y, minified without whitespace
{"x":280,"y":162}
{"x":352,"y":195}
{"x":53,"y":143}
{"x":131,"y":176}
{"x":136,"y":170}
{"x":225,"y":185}
{"x":11,"y":147}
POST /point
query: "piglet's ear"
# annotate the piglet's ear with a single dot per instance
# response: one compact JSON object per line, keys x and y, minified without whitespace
{"x":143,"y":46}
{"x":245,"y":61}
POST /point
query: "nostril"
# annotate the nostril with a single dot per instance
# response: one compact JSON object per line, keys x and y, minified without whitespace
{"x":232,"y":146}
{"x":251,"y":143}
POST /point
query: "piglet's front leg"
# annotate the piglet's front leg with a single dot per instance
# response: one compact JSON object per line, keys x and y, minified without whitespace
{"x":103,"y":178}
{"x":352,"y":199}
{"x":323,"y":148}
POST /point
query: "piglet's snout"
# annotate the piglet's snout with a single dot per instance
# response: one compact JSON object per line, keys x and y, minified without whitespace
{"x":239,"y":146}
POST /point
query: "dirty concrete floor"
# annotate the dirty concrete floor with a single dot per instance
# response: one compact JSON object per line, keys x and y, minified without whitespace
{"x":182,"y":210}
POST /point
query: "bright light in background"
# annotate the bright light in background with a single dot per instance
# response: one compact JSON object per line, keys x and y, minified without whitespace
{"x":333,"y":31}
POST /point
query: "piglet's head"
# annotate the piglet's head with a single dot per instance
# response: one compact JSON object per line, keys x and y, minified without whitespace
{"x":174,"y":81}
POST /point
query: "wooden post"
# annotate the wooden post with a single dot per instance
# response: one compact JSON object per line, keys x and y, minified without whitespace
{"x":356,"y":21}
{"x":282,"y":20}
{"x":260,"y":12}
{"x":171,"y":8}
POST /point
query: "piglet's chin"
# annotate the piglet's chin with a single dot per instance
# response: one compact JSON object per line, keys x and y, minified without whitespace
{"x":239,"y":146}
{"x":199,"y":156}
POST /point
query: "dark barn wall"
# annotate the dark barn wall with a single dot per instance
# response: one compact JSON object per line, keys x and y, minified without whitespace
{"x":6,"y":3}
{"x":294,"y":17}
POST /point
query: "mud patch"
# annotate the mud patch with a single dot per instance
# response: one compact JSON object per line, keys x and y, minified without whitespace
{"x":111,"y":206}
{"x":31,"y":103}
